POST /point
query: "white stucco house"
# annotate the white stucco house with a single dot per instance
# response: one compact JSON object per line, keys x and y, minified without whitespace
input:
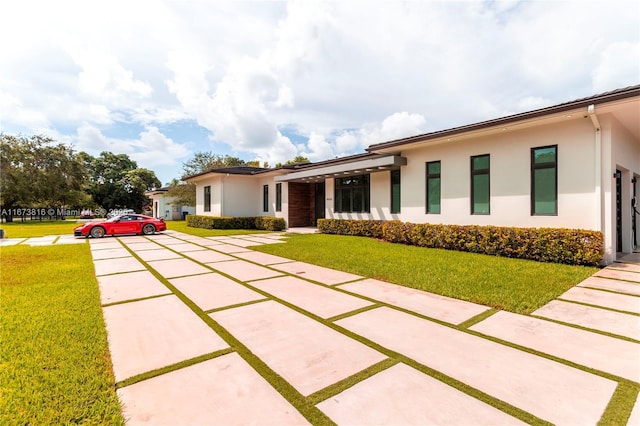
{"x":163,"y":207}
{"x":572,"y":165}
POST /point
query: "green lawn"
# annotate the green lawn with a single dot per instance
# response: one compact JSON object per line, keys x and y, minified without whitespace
{"x":181,"y":226}
{"x":514,"y":285}
{"x":55,"y":366}
{"x":37,"y":228}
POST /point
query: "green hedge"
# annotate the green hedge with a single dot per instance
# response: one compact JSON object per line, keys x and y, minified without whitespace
{"x":259,"y":222}
{"x":570,"y":246}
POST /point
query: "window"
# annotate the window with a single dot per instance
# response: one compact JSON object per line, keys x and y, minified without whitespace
{"x":278,"y":197}
{"x":352,"y":194}
{"x":544,"y":180}
{"x":207,"y":198}
{"x":480,"y":193}
{"x":395,"y":191}
{"x":433,"y":187}
{"x":265,"y":198}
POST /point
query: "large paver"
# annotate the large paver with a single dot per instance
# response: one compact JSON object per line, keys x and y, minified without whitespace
{"x":116,"y":266}
{"x":613,"y":285}
{"x":70,"y":239}
{"x":128,"y":286}
{"x":618,"y":274}
{"x":322,"y":301}
{"x":631,"y":267}
{"x":316,"y":273}
{"x":262,"y":258}
{"x":41,"y":241}
{"x":604,"y":299}
{"x":104,"y":244}
{"x":227,"y":248}
{"x":155,"y":333}
{"x":608,"y":354}
{"x":172,"y":268}
{"x":220,"y":391}
{"x":591,"y":317}
{"x":110,"y":253}
{"x":244,"y":271}
{"x":547,"y":389}
{"x":431,"y":305}
{"x":159,"y":254}
{"x":239,"y":242}
{"x":402,"y":395}
{"x":211,"y":291}
{"x":207,"y":256}
{"x":142,"y":246}
{"x":133,"y":239}
{"x":11,"y":241}
{"x":185,"y":247}
{"x":309,"y":355}
{"x":263,"y":240}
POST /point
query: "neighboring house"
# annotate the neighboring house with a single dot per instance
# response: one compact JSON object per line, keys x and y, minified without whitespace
{"x":572,"y":165}
{"x":163,"y":208}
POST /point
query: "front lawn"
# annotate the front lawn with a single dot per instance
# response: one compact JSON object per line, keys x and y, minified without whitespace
{"x":55,"y":366}
{"x":515,"y":285}
{"x":37,"y":228}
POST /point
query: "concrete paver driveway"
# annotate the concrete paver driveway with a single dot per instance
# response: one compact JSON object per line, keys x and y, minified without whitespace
{"x":207,"y":331}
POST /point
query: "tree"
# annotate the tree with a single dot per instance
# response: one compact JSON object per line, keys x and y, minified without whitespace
{"x":116,"y":182}
{"x":203,"y":161}
{"x":182,"y":193}
{"x":299,"y":159}
{"x":37,"y":172}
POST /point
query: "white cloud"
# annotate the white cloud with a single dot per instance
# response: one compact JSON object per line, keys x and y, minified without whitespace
{"x":245,"y":71}
{"x":151,"y":149}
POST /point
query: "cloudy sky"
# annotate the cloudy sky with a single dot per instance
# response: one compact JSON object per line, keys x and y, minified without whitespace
{"x":162,"y":79}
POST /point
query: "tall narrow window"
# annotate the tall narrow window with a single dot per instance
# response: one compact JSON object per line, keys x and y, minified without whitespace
{"x":351,"y":194}
{"x":278,"y":197}
{"x":395,"y":191}
{"x":207,"y":198}
{"x":433,"y":187}
{"x":265,"y":198}
{"x":480,"y":193}
{"x":544,"y":180}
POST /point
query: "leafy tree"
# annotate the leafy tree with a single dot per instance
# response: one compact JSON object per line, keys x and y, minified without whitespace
{"x":116,"y":182}
{"x":182,"y":193}
{"x":203,"y":161}
{"x":37,"y":172}
{"x":299,"y":159}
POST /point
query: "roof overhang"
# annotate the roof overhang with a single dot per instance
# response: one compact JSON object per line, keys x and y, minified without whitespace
{"x":370,"y":165}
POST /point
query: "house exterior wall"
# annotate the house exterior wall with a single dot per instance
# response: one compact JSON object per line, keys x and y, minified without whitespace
{"x":166,"y":210}
{"x":510,"y":180}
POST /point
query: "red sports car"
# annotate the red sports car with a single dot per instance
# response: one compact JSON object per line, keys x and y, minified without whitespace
{"x":122,"y":224}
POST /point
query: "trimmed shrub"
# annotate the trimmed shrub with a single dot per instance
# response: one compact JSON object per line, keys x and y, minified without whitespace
{"x":570,"y":246}
{"x":259,"y":222}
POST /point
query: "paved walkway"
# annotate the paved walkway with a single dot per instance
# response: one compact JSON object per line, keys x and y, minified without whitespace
{"x":208,"y":331}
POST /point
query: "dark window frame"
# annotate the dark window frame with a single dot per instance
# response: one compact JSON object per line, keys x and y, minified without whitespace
{"x":544,"y":166}
{"x":207,"y":198}
{"x":480,"y":172}
{"x":265,"y":198}
{"x":427,"y":178}
{"x":342,"y":188}
{"x":278,"y":197}
{"x":395,"y":175}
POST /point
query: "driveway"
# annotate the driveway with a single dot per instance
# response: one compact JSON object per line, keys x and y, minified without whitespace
{"x":208,"y":331}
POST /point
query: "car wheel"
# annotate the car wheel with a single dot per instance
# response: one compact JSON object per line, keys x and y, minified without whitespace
{"x":98,"y":232}
{"x":148,"y":229}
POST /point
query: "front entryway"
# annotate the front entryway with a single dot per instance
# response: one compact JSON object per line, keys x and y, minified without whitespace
{"x":618,"y":211}
{"x":306,"y":203}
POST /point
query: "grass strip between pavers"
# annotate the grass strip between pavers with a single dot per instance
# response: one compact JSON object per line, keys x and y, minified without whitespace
{"x":503,"y":406}
{"x":281,"y":385}
{"x":590,"y":305}
{"x":121,"y":302}
{"x":284,"y":388}
{"x":55,"y":366}
{"x":506,"y":407}
{"x":173,"y":367}
{"x":619,"y":409}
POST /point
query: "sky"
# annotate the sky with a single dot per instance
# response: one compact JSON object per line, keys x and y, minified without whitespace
{"x":159,"y":80}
